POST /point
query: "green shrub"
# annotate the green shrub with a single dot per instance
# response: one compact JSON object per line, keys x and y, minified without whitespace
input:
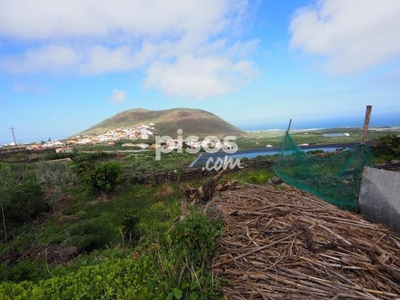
{"x":53,"y":156}
{"x":81,"y":169}
{"x":23,"y":203}
{"x":22,"y":270}
{"x":315,"y":151}
{"x":102,"y":177}
{"x":14,"y":174}
{"x":91,"y":157}
{"x":106,"y":176}
{"x":192,"y":236}
{"x":256,"y":176}
{"x":81,"y":214}
{"x":5,"y":175}
{"x":55,"y":174}
{"x":130,"y":224}
{"x":388,"y":147}
{"x":93,"y":234}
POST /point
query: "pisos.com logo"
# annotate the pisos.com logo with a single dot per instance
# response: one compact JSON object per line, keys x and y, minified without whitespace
{"x":193,"y":145}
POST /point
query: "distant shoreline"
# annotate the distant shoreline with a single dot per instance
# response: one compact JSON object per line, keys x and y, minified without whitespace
{"x":374,"y":128}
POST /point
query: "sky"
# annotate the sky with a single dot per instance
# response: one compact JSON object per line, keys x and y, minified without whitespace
{"x":68,"y":65}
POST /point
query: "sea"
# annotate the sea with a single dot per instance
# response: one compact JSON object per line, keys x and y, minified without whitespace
{"x":386,"y":120}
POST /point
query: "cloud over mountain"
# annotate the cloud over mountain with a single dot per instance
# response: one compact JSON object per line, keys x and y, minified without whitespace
{"x":92,"y":37}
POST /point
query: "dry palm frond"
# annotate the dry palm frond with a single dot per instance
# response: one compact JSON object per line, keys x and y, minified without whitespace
{"x":287,"y":244}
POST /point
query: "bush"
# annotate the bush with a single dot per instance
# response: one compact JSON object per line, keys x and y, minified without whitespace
{"x":14,"y":174}
{"x":105,"y":177}
{"x":102,"y":177}
{"x":55,"y":174}
{"x":91,"y":157}
{"x":388,"y":147}
{"x":22,"y":270}
{"x":23,"y":203}
{"x":256,"y":176}
{"x":315,"y":151}
{"x":192,"y":236}
{"x":5,"y":175}
{"x":95,"y":234}
{"x":61,"y":155}
{"x":130,"y":224}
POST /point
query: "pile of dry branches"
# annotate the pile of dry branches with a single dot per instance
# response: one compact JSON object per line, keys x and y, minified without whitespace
{"x":287,"y":244}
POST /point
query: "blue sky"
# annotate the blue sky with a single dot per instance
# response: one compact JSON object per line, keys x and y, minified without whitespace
{"x":67,"y":65}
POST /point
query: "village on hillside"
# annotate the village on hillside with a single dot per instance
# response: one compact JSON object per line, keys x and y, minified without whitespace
{"x":112,"y":136}
{"x":109,"y":138}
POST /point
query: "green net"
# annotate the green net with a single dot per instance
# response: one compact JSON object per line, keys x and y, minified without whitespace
{"x":336,"y":179}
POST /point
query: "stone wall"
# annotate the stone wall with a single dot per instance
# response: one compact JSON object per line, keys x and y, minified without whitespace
{"x":188,"y":173}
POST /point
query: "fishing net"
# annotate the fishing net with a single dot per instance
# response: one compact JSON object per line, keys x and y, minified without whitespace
{"x":336,"y":179}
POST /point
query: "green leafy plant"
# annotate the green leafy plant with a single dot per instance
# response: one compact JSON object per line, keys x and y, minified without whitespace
{"x":94,"y":234}
{"x":130,"y":224}
{"x":22,"y":270}
{"x":387,"y":147}
{"x":23,"y":203}
{"x":174,"y":267}
{"x":91,"y":157}
{"x":102,"y":177}
{"x":106,"y":176}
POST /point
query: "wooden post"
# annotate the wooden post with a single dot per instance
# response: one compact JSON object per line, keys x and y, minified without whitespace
{"x":286,"y":136}
{"x":366,"y":123}
{"x":290,"y":124}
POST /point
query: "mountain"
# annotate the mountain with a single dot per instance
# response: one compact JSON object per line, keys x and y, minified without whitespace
{"x":192,"y":121}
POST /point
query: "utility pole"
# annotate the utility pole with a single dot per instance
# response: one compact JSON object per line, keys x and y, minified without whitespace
{"x":15,"y":141}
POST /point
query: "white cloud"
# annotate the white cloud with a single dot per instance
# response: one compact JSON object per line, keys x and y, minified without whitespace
{"x":199,"y":77}
{"x":95,"y":36}
{"x":31,"y":86}
{"x":352,"y":35}
{"x":101,"y":59}
{"x":118,"y":96}
{"x":48,"y":19}
{"x":53,"y":58}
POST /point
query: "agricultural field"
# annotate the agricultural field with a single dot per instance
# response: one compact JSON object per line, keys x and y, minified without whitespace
{"x":260,"y":139}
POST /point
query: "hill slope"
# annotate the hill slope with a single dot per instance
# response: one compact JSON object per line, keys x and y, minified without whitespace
{"x":167,"y":122}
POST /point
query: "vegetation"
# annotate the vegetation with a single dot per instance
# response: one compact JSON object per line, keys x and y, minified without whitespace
{"x":129,"y":243}
{"x":387,"y":147}
{"x":260,"y":139}
{"x":61,"y":238}
{"x":172,"y":267}
{"x":167,"y":122}
{"x":103,"y":177}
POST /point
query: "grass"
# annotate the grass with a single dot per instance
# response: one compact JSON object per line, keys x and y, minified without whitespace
{"x":250,"y":175}
{"x":129,"y":244}
{"x":162,"y":264}
{"x":146,"y":163}
{"x":174,"y":266}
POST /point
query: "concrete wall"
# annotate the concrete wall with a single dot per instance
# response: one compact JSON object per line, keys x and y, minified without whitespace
{"x":380,"y":197}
